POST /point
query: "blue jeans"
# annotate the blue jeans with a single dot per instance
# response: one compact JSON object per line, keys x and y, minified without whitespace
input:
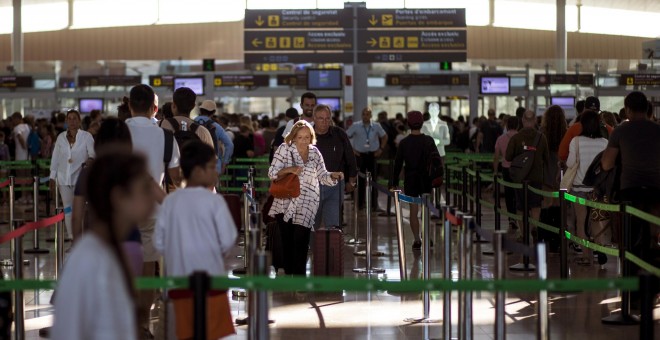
{"x":332,"y":198}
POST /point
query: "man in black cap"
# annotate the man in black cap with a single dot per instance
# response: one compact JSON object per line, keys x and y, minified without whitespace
{"x":291,"y":116}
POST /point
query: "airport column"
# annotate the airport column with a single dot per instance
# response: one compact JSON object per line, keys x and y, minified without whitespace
{"x":561,"y":36}
{"x":474,"y":95}
{"x":360,"y":89}
{"x":17,"y":37}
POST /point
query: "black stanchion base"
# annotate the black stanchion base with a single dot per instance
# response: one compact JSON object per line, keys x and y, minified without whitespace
{"x":621,"y":320}
{"x":373,"y":253}
{"x":244,"y":321}
{"x":354,"y":241}
{"x":386,"y":214}
{"x":369,"y":271}
{"x":36,"y":251}
{"x":520,"y":267}
{"x":421,"y":320}
{"x":52,"y":240}
{"x":45,"y":332}
{"x":239,"y":271}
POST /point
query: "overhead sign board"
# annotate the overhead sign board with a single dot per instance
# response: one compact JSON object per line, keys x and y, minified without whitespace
{"x":298,"y":40}
{"x":564,"y":79}
{"x":326,"y":36}
{"x":641,"y":79}
{"x":411,"y":18}
{"x":298,"y":18}
{"x":411,"y":57}
{"x":241,"y":80}
{"x":427,"y":79}
{"x":161,"y":81}
{"x":108,"y":80}
{"x":413,"y":40}
{"x":12,"y":82}
{"x":292,"y":80}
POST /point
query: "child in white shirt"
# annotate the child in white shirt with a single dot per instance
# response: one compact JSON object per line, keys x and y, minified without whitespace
{"x":194,"y":232}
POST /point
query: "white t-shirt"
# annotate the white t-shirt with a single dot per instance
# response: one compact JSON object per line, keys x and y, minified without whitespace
{"x":21,"y":131}
{"x":588,"y":149}
{"x":149,"y":139}
{"x":194,"y":231}
{"x":92,"y":300}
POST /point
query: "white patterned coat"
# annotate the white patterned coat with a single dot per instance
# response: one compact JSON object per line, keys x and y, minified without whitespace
{"x":302,"y":209}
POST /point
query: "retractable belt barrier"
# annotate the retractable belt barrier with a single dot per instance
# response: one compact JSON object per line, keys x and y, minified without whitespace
{"x":616,"y":208}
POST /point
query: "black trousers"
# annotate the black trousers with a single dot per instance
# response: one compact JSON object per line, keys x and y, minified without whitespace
{"x":367,"y":163}
{"x":295,"y":246}
{"x":509,"y":193}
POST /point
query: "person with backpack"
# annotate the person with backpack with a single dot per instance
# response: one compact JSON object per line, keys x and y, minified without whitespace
{"x":184,"y":128}
{"x":162,"y":154}
{"x":489,"y":131}
{"x":415,"y":152}
{"x":528,"y":153}
{"x":223,"y":145}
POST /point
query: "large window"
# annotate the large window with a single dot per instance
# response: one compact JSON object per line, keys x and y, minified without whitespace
{"x":47,"y":15}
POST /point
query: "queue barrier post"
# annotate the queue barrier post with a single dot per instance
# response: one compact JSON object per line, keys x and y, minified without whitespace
{"x":368,"y":269}
{"x":525,"y":266}
{"x":200,"y":283}
{"x":648,"y":288}
{"x":59,"y":244}
{"x":19,"y":303}
{"x":446,"y":274}
{"x":464,"y":191}
{"x":500,"y":296}
{"x":461,"y":275}
{"x":356,"y":196}
{"x":447,"y":185}
{"x":9,"y":262}
{"x":624,"y":317}
{"x":35,"y":212}
{"x":478,"y":198}
{"x":467,"y":296}
{"x":471,"y":190}
{"x":57,"y":205}
{"x":426,"y":262}
{"x":497,"y":188}
{"x":543,"y":326}
{"x":403,"y":272}
{"x":563,"y":242}
{"x":247,"y":190}
{"x":258,"y":299}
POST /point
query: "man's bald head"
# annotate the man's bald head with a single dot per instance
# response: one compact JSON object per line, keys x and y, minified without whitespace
{"x":529,"y":119}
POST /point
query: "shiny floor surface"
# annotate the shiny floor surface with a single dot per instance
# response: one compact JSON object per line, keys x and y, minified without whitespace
{"x":380,"y":315}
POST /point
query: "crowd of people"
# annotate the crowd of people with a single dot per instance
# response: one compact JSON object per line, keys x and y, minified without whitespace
{"x":142,"y":186}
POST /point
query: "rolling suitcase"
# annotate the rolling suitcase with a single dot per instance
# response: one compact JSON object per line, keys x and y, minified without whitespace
{"x":328,"y":253}
{"x":234,"y":205}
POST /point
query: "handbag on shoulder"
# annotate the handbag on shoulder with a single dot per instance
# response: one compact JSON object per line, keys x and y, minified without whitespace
{"x":287,"y":187}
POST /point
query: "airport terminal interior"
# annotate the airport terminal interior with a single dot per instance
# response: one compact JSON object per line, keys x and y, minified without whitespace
{"x":490,"y":253}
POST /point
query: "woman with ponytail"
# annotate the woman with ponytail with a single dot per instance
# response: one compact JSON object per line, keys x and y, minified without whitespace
{"x":95,"y":295}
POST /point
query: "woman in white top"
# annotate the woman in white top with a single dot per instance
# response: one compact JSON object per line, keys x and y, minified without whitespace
{"x":297,"y":155}
{"x":95,"y":295}
{"x":584,"y":149}
{"x":73,"y":148}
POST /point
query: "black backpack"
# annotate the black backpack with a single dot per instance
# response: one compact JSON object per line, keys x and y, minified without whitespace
{"x":210,"y":125}
{"x":521,"y":165}
{"x":183,"y":136}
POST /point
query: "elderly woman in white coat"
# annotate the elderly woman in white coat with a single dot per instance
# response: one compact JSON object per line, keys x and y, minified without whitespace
{"x":73,"y":148}
{"x":298,"y":155}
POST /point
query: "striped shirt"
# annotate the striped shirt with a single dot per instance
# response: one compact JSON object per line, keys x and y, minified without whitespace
{"x":588,"y":149}
{"x":302,"y":209}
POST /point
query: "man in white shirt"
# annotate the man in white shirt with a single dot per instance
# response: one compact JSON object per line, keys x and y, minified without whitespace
{"x":151,"y":141}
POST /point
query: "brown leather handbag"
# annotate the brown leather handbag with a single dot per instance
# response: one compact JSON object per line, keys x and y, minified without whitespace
{"x":287,"y":187}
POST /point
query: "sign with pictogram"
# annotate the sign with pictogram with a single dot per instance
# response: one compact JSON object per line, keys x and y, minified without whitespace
{"x":411,"y":18}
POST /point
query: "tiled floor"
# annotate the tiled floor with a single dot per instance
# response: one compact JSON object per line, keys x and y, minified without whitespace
{"x":380,"y":315}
